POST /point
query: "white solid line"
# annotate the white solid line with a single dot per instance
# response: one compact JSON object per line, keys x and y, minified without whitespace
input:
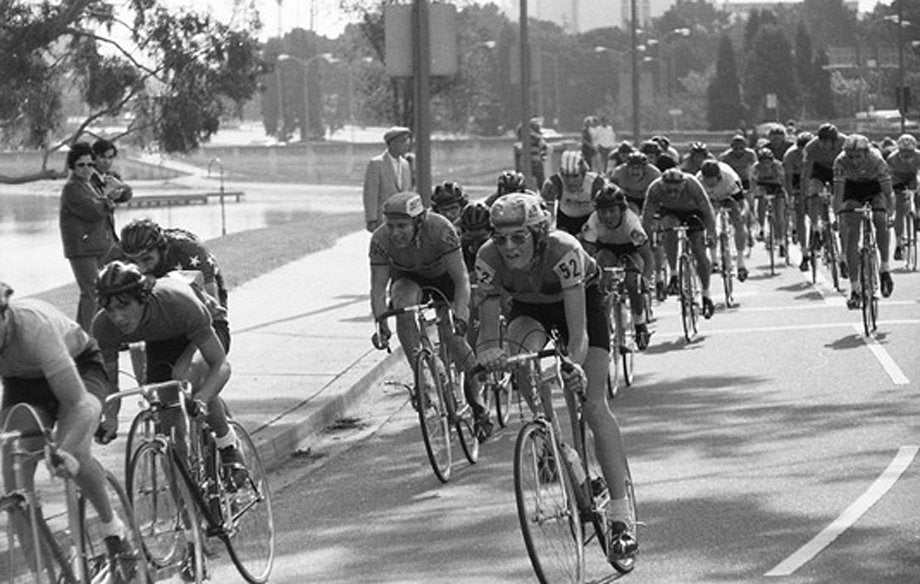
{"x":891,"y":368}
{"x":852,"y":514}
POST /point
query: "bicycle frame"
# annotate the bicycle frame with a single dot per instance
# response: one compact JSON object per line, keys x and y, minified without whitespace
{"x":726,"y":238}
{"x":868,"y":269}
{"x":622,"y":337}
{"x":689,"y":283}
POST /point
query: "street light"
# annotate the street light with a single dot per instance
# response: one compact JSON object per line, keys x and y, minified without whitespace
{"x":555,"y":58}
{"x":305,"y":63}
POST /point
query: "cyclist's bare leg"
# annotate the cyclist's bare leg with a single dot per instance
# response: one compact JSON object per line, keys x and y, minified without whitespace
{"x":525,"y":335}
{"x":849,"y":241}
{"x":405,"y":292}
{"x":737,"y":214}
{"x":704,"y":268}
{"x":902,"y":205}
{"x":608,"y":445}
{"x":669,"y":243}
{"x":463,"y":357}
{"x":882,"y":238}
{"x":798,"y":207}
{"x":779,"y":207}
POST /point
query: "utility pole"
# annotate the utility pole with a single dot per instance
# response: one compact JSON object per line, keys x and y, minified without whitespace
{"x":902,"y":106}
{"x":634,"y":34}
{"x":525,"y":97}
{"x":422,"y":113}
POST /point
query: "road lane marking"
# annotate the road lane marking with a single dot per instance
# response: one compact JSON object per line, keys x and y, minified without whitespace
{"x":850,"y":516}
{"x":891,"y":368}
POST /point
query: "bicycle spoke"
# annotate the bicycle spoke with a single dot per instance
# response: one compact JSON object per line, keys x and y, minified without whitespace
{"x":433,"y":418}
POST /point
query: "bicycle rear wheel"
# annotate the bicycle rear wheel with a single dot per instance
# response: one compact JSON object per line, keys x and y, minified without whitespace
{"x":98,"y":566}
{"x":687,"y":310}
{"x":628,"y":343}
{"x":769,"y":241}
{"x":164,"y":511}
{"x":867,"y":288}
{"x":813,"y":252}
{"x":547,"y":509}
{"x":251,"y":534}
{"x":831,"y":255}
{"x":500,"y":387}
{"x":910,"y":243}
{"x":463,"y":416}
{"x":432,"y":415}
{"x":725,"y":254}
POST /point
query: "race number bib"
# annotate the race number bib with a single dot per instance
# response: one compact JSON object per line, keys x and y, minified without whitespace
{"x":485,"y":275}
{"x":570,"y":269}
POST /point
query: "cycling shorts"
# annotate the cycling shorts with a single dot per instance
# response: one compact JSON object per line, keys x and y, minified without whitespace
{"x":552,"y":315}
{"x":437,"y":288}
{"x":636,"y":203}
{"x":745,"y":183}
{"x":37,"y":392}
{"x":692,"y":218}
{"x":163,"y":355}
{"x":822,"y":173}
{"x":570,"y":224}
{"x":769,"y":189}
{"x":796,"y":181}
{"x":861,"y":191}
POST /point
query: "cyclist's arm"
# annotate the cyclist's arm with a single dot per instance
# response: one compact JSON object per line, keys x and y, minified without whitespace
{"x":489,"y":311}
{"x":550,"y":194}
{"x":218,"y":367}
{"x":839,"y":184}
{"x":79,"y":415}
{"x":648,"y":259}
{"x":705,"y":206}
{"x":380,"y":277}
{"x":456,"y":269}
{"x":573,"y":299}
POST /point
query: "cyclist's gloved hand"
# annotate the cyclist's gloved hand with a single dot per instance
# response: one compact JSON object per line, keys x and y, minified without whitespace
{"x":196,"y":407}
{"x":381,"y":338}
{"x":107,"y":430}
{"x":61,"y":463}
{"x":575,"y":379}
{"x":492,"y":358}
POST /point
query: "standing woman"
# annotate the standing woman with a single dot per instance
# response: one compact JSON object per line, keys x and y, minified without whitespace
{"x":87,"y":227}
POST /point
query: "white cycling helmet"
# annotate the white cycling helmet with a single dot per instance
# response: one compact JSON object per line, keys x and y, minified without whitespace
{"x":907,"y":142}
{"x":572,"y":163}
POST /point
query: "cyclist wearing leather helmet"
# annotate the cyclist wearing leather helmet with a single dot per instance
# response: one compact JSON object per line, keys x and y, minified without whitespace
{"x":696,"y":154}
{"x":634,"y":177}
{"x":553,"y":283}
{"x":415,"y":255}
{"x":569,"y":191}
{"x":768,"y":178}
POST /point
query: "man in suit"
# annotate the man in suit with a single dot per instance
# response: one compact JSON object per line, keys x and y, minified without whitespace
{"x":387,"y":174}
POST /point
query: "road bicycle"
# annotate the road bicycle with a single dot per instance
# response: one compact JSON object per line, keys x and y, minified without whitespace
{"x":689,"y":284}
{"x":497,"y":385}
{"x":661,"y":271}
{"x":561,"y":498}
{"x":822,"y":241}
{"x":868,"y":270}
{"x":910,"y":231}
{"x":437,"y":394}
{"x":726,"y":237}
{"x":769,"y":227}
{"x":622,"y":327}
{"x":184,"y":497}
{"x":56,"y":537}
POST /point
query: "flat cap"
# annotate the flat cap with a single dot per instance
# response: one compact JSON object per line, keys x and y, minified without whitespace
{"x":396,"y":132}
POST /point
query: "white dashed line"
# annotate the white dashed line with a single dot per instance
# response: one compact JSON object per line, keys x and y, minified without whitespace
{"x":891,"y":368}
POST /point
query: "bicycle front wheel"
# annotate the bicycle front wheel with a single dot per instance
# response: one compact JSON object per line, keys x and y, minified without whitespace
{"x":546,"y":508}
{"x":613,"y":373}
{"x":867,"y":287}
{"x":769,"y":241}
{"x":725,"y":254}
{"x":131,"y":564}
{"x":500,"y":387}
{"x":432,"y":415}
{"x":251,"y":537}
{"x":687,"y":311}
{"x":627,"y":345}
{"x":164,"y":511}
{"x":462,"y":415}
{"x":18,"y":562}
{"x":910,"y":244}
{"x":831,"y":255}
{"x":141,"y":430}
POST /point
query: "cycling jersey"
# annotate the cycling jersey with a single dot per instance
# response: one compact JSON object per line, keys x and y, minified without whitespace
{"x":689,"y":199}
{"x":741,"y":162}
{"x":425,"y":256}
{"x":559,"y":263}
{"x":862,"y":179}
{"x":185,"y":251}
{"x":818,"y":161}
{"x":792,"y":167}
{"x":779,"y":150}
{"x":904,"y":169}
{"x":768,"y":174}
{"x":728,"y":186}
{"x":174,"y":310}
{"x":626,"y":237}
{"x":635,"y":187}
{"x":573,"y":203}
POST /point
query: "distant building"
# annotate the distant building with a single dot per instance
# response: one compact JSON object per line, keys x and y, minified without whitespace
{"x":741,"y":8}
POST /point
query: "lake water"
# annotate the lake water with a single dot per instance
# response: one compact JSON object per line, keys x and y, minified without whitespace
{"x":32,"y":258}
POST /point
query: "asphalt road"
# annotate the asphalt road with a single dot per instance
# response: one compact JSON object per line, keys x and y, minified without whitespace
{"x":778,"y":446}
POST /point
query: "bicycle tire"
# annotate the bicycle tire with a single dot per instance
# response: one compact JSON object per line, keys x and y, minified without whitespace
{"x":727,"y":278}
{"x":141,"y":430}
{"x":628,"y":342}
{"x":500,"y":386}
{"x":94,"y":555}
{"x":831,"y":255}
{"x":813,"y":250}
{"x":432,"y":414}
{"x":769,"y":240}
{"x":546,"y":508}
{"x":461,"y":413}
{"x":685,"y":277}
{"x":613,"y":370}
{"x":15,"y":565}
{"x":251,"y":539}
{"x":164,"y":510}
{"x":910,"y":251}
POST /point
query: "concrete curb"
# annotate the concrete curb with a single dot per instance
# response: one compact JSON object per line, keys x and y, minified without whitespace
{"x":278,"y":439}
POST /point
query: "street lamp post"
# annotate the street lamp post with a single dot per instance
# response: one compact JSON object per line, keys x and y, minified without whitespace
{"x":541,"y":99}
{"x":305,"y":63}
{"x":634,"y":36}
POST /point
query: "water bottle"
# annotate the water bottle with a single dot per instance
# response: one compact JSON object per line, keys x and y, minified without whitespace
{"x":578,"y":471}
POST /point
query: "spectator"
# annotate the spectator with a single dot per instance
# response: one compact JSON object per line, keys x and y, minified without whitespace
{"x":605,"y":140}
{"x":387,"y":173}
{"x":107,"y":179}
{"x":588,"y":149}
{"x":87,"y":227}
{"x":537,"y":150}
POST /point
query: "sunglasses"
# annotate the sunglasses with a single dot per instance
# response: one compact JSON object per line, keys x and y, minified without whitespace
{"x":516,"y":239}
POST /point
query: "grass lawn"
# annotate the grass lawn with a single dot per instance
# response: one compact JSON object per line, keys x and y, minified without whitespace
{"x":248,"y":254}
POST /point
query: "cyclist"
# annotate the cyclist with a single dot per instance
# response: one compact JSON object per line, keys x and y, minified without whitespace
{"x":413,"y":253}
{"x":553,"y":284}
{"x":568,"y":193}
{"x":618,"y":156}
{"x":157,"y":251}
{"x":510,"y":181}
{"x":818,"y":167}
{"x":475,"y":229}
{"x":904,"y":164}
{"x":697,"y":153}
{"x":861,"y":176}
{"x":679,"y":198}
{"x":49,"y":362}
{"x":778,"y":142}
{"x":768,"y":178}
{"x":724,"y":189}
{"x":666,"y":148}
{"x":613,"y":234}
{"x":449,"y":200}
{"x":741,"y":158}
{"x":652,"y":151}
{"x":634,"y":177}
{"x":802,"y":205}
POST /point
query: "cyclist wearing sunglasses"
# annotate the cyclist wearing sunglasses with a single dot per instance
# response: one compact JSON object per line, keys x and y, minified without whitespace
{"x":568,"y":193}
{"x":861,"y":176}
{"x":415,"y":255}
{"x":553,"y":284}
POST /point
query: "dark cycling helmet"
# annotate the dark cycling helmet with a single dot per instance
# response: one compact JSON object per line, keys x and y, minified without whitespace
{"x":625,"y":148}
{"x":404,"y":205}
{"x":827,"y":132}
{"x":803,"y":138}
{"x":120,"y":279}
{"x":650,"y":148}
{"x":636,"y":159}
{"x":610,"y":196}
{"x":475,"y":217}
{"x":448,"y":193}
{"x":140,"y":236}
{"x":710,"y":169}
{"x":662,"y":141}
{"x":777,"y":131}
{"x":665,"y":161}
{"x":699,"y":148}
{"x":511,"y":181}
{"x":764,"y":154}
{"x":673,"y":176}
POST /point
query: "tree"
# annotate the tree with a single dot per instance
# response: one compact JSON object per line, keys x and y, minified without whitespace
{"x":177,"y":71}
{"x":725,"y":108}
{"x":823,"y":102}
{"x":804,"y":68}
{"x":764,"y":74}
